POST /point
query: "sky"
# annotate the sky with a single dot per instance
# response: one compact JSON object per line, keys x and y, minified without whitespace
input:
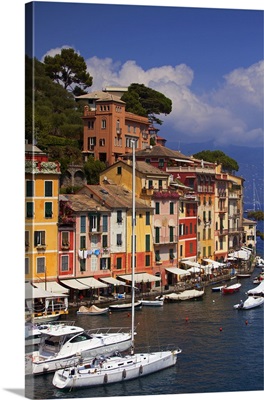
{"x":208,"y":61}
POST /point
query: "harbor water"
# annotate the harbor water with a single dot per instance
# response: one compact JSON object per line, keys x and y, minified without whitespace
{"x":222,"y":348}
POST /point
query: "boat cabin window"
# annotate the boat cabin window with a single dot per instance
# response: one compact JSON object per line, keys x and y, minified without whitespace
{"x":80,"y":338}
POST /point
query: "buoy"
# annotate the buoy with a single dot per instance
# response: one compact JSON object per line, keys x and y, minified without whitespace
{"x":246,"y":322}
{"x":128,"y":314}
{"x":186,"y":319}
{"x":213,"y":301}
{"x":220,"y":329}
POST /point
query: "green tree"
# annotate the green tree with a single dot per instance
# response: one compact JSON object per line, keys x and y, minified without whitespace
{"x":52,"y":117}
{"x":256,"y":215}
{"x":92,"y":169}
{"x":69,"y":69}
{"x":219,"y":157}
{"x":146,"y":102}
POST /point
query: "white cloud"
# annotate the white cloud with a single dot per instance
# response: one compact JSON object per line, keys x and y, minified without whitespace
{"x":231,"y":114}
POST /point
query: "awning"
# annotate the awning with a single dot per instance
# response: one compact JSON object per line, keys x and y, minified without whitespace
{"x":112,"y":281}
{"x":38,"y":293}
{"x":190,"y":263}
{"x":52,"y":287}
{"x":83,"y":283}
{"x":177,"y":271}
{"x":143,"y":277}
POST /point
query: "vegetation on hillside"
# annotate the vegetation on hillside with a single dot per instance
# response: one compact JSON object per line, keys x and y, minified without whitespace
{"x":256,"y":215}
{"x":218,"y":157}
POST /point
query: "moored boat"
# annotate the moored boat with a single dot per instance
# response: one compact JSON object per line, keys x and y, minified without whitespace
{"x":103,"y":371}
{"x":125,"y":306}
{"x":153,"y":303}
{"x":217,"y":288}
{"x":93,"y":310}
{"x":251,"y":302}
{"x":191,"y":294}
{"x":231,"y":289}
{"x":63,"y":344}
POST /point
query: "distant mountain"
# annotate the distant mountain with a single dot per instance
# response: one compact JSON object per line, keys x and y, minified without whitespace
{"x":250,"y":160}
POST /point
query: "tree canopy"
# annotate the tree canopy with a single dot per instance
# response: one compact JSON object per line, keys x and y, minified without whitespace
{"x":69,"y":69}
{"x":219,"y":157}
{"x":146,"y":102}
{"x":52,"y":117}
{"x":256,"y":215}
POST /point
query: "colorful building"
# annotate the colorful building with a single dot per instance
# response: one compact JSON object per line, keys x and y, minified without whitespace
{"x":41,"y":216}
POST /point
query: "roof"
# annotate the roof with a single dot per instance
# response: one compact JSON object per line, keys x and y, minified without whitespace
{"x":146,"y":168}
{"x":83,"y":202}
{"x":99,"y":95}
{"x":160,"y":151}
{"x":116,"y":196}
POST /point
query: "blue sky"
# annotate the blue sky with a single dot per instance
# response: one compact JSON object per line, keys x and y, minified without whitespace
{"x":209,"y":62}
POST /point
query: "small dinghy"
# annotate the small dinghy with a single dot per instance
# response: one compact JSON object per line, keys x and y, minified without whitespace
{"x":93,"y":310}
{"x":231,"y":289}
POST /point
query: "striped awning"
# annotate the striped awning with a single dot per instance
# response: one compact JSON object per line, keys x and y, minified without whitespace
{"x":112,"y":281}
{"x":143,"y":277}
{"x":51,"y":287}
{"x":83,"y":283}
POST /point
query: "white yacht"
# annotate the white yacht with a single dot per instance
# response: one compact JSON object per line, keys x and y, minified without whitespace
{"x":63,"y":345}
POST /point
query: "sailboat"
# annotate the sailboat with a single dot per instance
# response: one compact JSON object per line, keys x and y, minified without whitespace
{"x":117,"y":368}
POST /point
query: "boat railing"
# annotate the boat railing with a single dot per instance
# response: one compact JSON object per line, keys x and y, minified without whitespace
{"x":155,"y":348}
{"x":108,"y":330}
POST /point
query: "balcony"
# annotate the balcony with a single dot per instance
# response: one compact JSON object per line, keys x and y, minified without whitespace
{"x":96,"y":230}
{"x":41,"y":247}
{"x":166,"y":240}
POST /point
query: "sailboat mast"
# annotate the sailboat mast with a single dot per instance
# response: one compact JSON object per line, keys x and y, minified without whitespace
{"x":133,"y":242}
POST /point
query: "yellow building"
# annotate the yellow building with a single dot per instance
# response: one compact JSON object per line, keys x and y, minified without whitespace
{"x":41,"y":216}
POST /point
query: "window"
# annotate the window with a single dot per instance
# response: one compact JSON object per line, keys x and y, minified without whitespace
{"x":150,"y":184}
{"x":147,"y":242}
{"x":157,"y":256}
{"x":93,"y":223}
{"x":30,"y":209}
{"x":103,"y":124}
{"x":191,"y":228}
{"x":104,"y":263}
{"x":119,"y":170}
{"x":181,"y":229}
{"x":204,"y":234}
{"x":29,"y":188}
{"x":119,"y":263}
{"x":65,"y":238}
{"x":171,"y":228}
{"x":157,"y":207}
{"x":64,"y":263}
{"x":41,"y":265}
{"x":83,"y":224}
{"x":191,"y":248}
{"x":161,"y":162}
{"x":157,"y":235}
{"x":39,"y":238}
{"x":105,"y":223}
{"x":171,"y":254}
{"x":119,"y":239}
{"x":147,"y":260}
{"x":104,"y":241}
{"x":90,"y":124}
{"x":204,"y":251}
{"x":171,"y":208}
{"x":102,"y":142}
{"x":82,"y":242}
{"x":27,"y":266}
{"x":94,"y":262}
{"x":147,"y":218}
{"x":48,"y":188}
{"x":27,"y":238}
{"x":160,"y":183}
{"x":181,"y":250}
{"x":48,"y":209}
{"x":119,"y":218}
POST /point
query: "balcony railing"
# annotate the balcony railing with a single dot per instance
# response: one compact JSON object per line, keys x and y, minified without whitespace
{"x":166,"y":240}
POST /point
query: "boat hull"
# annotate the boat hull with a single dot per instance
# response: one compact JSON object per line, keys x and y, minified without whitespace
{"x":152,"y":303}
{"x":125,"y":307}
{"x":185,"y":295}
{"x":130,"y":367}
{"x":231,"y":289}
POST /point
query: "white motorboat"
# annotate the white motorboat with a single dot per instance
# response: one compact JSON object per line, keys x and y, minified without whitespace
{"x":125,"y":306}
{"x":191,"y":294}
{"x":153,"y":303}
{"x":33,"y":331}
{"x":251,"y":302}
{"x":103,"y":371}
{"x":64,"y":344}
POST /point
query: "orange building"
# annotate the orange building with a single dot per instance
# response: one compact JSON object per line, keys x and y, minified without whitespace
{"x":109,"y":128}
